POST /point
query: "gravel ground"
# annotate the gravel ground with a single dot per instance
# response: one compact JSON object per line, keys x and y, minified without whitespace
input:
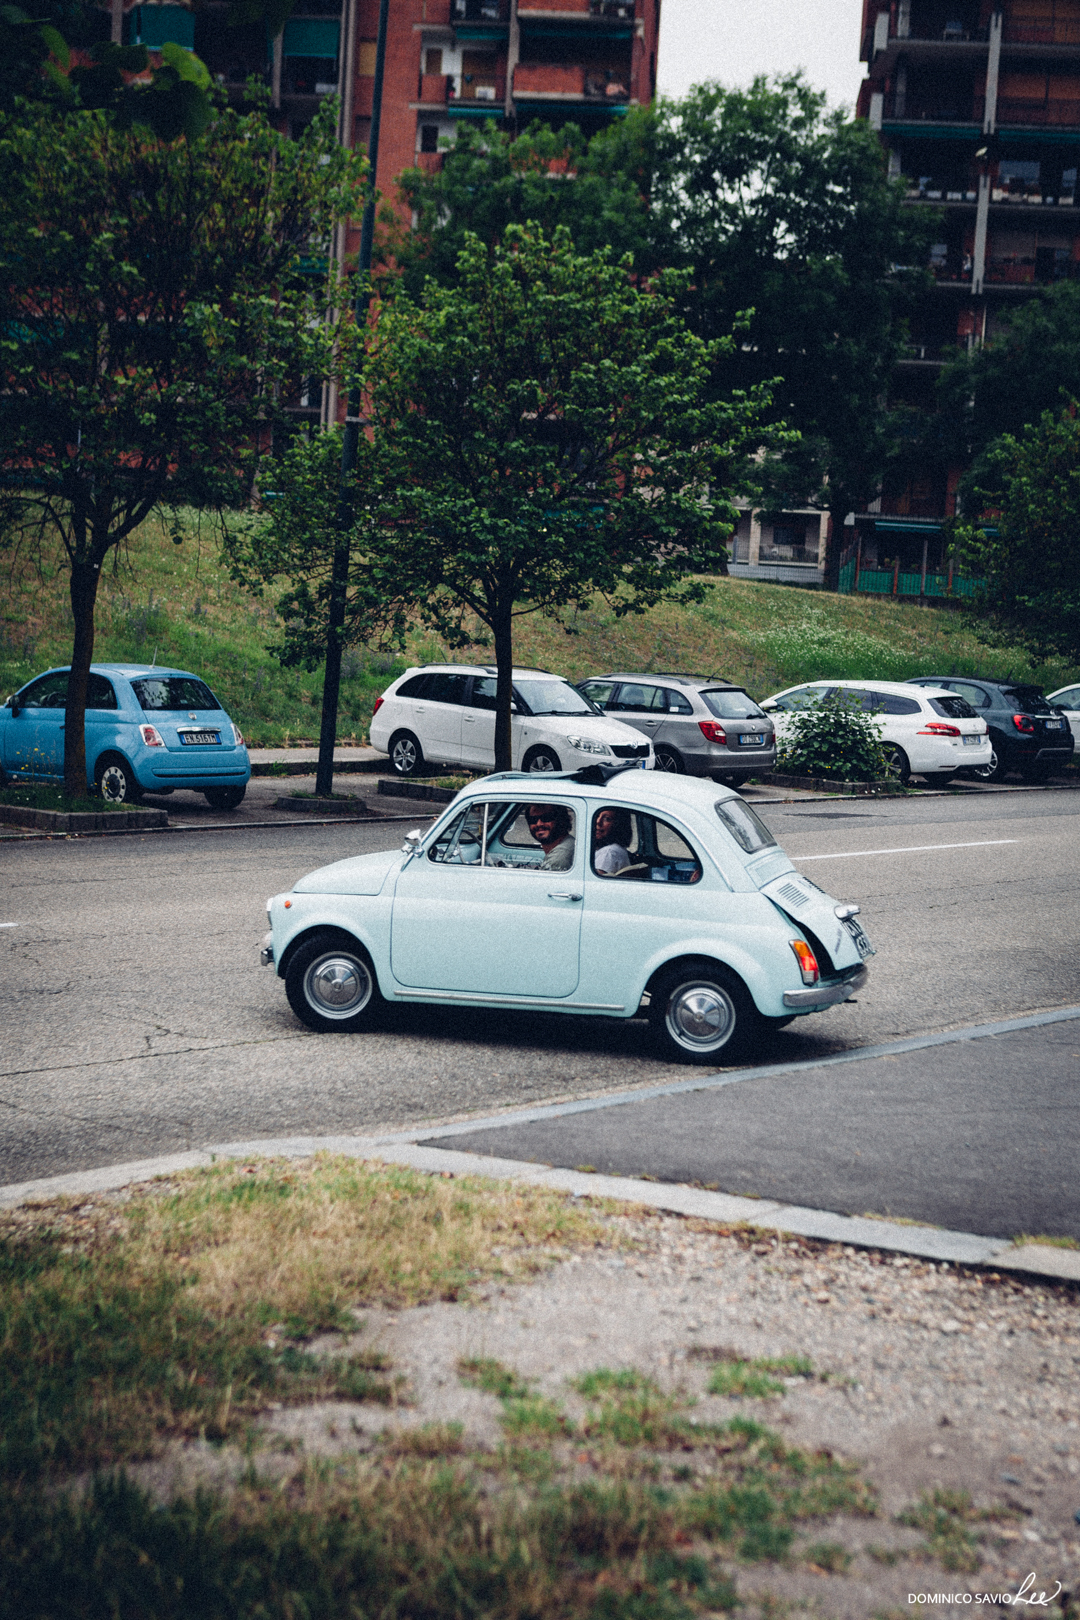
{"x":928,"y":1376}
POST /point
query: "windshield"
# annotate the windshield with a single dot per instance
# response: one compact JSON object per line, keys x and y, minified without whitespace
{"x":159,"y":693}
{"x":1030,"y":699}
{"x":731,"y":705}
{"x":747,"y":829}
{"x":551,"y":697}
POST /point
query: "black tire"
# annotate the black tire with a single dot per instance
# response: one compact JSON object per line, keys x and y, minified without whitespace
{"x":542,"y":760}
{"x":937,"y":779}
{"x":994,"y":772}
{"x":406,"y":754}
{"x":115,"y":781}
{"x":331,"y":984}
{"x":224,"y":798}
{"x":736,"y":779}
{"x":700,"y":1012}
{"x":897,"y":764}
{"x":666,"y":759}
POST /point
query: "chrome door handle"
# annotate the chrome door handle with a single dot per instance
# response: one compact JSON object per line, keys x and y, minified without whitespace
{"x":562,"y":895}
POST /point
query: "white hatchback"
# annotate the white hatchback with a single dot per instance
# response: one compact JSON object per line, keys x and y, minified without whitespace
{"x":1067,"y":702}
{"x":445,"y":713}
{"x":926,"y":731}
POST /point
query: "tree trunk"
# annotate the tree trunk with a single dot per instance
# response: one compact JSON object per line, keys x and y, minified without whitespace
{"x":502,"y":626}
{"x":834,"y":544}
{"x":324,"y":776}
{"x":85,"y":575}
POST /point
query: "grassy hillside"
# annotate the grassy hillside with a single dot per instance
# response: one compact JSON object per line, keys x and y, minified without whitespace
{"x":176,"y":601}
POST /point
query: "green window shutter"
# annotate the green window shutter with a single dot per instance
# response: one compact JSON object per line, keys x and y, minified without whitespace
{"x":311,"y":36}
{"x":156,"y":26}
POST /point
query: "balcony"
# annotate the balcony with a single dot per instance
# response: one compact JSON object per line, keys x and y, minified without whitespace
{"x":1012,"y":111}
{"x":943,"y":108}
{"x":485,"y":11}
{"x":556,"y":81}
{"x":1052,"y":31}
{"x":435,"y":89}
{"x":935,"y":189}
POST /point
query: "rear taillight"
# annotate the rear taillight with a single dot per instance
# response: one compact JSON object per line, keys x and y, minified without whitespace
{"x":152,"y":737}
{"x":378,"y":706}
{"x":807,"y":961}
{"x":936,"y":728}
{"x":712,"y":732}
{"x":1023,"y":722}
{"x":238,"y":736}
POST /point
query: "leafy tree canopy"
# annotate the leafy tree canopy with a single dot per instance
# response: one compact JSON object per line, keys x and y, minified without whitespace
{"x":544,"y":430}
{"x":1027,"y":554}
{"x":154,"y":318}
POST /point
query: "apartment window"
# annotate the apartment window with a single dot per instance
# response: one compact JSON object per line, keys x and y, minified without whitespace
{"x":433,"y":63}
{"x":429,"y":137}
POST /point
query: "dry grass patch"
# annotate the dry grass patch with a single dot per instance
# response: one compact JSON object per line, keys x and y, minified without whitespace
{"x":183,"y":1308}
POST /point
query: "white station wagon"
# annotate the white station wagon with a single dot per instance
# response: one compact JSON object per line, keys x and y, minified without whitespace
{"x":605,"y":892}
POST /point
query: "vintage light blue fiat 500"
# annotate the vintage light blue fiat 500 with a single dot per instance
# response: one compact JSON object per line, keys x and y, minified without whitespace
{"x":603,"y":892}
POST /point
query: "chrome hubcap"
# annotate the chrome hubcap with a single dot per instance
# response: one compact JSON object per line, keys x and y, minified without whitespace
{"x":337,"y":986}
{"x":700,"y":1015}
{"x":113,"y":784}
{"x":542,"y":762}
{"x":404,"y":757}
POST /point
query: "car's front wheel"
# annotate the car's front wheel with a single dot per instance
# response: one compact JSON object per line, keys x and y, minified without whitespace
{"x":406,"y":754}
{"x":897,"y":764}
{"x":700,"y":1012}
{"x":115,"y":781}
{"x":992,"y":772}
{"x":331,"y":984}
{"x":542,"y":759}
{"x":668,"y":760}
{"x":224,"y":798}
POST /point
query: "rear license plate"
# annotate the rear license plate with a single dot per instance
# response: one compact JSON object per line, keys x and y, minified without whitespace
{"x":862,"y":944}
{"x":751,"y":739}
{"x":199,"y":736}
{"x":1054,"y":725}
{"x":972,"y":742}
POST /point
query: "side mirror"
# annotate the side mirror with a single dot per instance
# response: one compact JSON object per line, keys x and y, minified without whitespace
{"x":769,"y":707}
{"x":15,"y":706}
{"x":412,"y":843}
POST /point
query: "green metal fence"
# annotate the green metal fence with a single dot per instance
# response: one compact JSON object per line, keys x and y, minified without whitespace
{"x":890,"y":582}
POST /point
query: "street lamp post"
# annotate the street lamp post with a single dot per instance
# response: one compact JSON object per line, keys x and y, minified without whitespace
{"x":339,"y":578}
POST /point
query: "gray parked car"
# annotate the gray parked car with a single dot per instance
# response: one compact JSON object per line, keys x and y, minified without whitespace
{"x":699,"y":724}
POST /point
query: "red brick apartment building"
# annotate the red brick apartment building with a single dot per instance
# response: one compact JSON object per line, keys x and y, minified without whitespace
{"x":978,"y":106}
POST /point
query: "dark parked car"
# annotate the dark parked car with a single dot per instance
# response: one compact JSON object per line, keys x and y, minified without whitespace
{"x":701,"y":725}
{"x":1027,"y":733}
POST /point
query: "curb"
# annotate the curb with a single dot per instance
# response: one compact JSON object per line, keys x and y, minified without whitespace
{"x":417,"y":790}
{"x":308,"y":767}
{"x":323,"y":807}
{"x":826,"y":784}
{"x":83,"y":820}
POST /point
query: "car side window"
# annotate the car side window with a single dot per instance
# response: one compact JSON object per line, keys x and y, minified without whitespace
{"x":524,"y":837}
{"x":893,"y":703}
{"x":445,"y":688}
{"x":635,"y":698}
{"x":802,"y":697}
{"x":977,"y":696}
{"x":413,"y":688}
{"x":483,"y":693}
{"x":100,"y":694}
{"x":631,"y":845}
{"x":460,"y":843}
{"x":599,"y":692}
{"x":50,"y":692}
{"x":676,"y":702}
{"x":1067,"y":700}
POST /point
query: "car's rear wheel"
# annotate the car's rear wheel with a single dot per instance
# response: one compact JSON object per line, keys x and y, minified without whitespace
{"x":406,"y":754}
{"x":700,"y":1012}
{"x":1038,"y":771}
{"x":115,"y":781}
{"x":224,"y":798}
{"x":666,"y":759}
{"x":542,"y":759}
{"x":897,"y":764}
{"x":992,"y":772}
{"x":331,"y":984}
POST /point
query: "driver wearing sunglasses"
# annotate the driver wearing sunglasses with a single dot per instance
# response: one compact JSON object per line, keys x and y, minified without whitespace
{"x":550,"y":825}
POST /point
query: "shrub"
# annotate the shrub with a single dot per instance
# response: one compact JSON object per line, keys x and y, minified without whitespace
{"x":833,"y":737}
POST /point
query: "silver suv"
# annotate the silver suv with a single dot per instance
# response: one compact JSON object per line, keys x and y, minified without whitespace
{"x":700,"y":724}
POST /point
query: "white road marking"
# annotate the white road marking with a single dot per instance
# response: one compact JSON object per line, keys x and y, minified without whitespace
{"x":906,"y":849}
{"x":10,"y":925}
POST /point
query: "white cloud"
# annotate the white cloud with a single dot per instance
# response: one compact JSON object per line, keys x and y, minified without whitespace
{"x":732,"y":40}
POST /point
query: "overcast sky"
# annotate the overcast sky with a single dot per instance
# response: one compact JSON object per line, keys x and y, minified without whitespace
{"x":732,"y":40}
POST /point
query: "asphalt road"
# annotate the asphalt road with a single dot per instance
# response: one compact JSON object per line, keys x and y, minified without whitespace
{"x":136,"y":1020}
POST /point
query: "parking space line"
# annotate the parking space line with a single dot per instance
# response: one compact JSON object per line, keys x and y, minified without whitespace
{"x":904,"y":849}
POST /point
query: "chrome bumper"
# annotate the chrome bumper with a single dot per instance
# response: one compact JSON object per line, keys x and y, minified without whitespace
{"x":266,"y":953}
{"x":825,"y":995}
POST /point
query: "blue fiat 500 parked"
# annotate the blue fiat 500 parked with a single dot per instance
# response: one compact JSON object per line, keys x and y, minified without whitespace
{"x":601,"y":892}
{"x":148,"y":730}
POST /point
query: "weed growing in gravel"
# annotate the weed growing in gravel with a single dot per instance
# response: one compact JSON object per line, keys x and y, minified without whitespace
{"x":182,"y":1310}
{"x":946,"y":1518}
{"x":758,"y":1378}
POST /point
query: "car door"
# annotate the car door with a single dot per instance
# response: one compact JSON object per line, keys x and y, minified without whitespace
{"x":438,"y":716}
{"x":639,"y":705}
{"x":463,"y":924}
{"x":34,"y":738}
{"x":1069,"y":705}
{"x":478,"y":723}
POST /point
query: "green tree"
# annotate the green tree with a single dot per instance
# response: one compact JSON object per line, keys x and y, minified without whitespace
{"x":490,"y":179}
{"x":1007,"y":383}
{"x":1028,"y":553}
{"x":784,"y":209}
{"x":154,"y":320}
{"x":542,"y":432}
